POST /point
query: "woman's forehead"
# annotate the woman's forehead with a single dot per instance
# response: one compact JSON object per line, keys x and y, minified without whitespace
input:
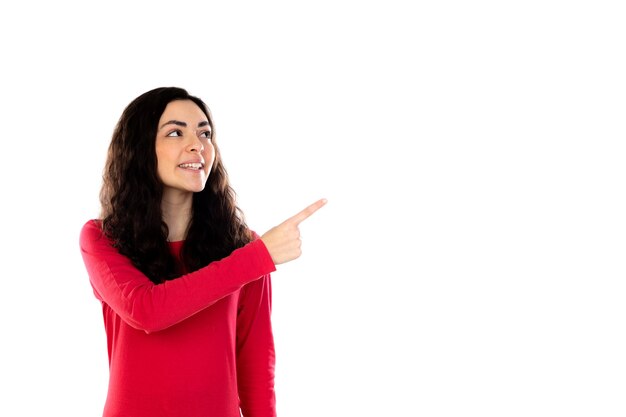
{"x":184,"y":110}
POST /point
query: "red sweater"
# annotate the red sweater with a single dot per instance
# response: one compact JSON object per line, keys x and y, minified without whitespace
{"x":197,"y":346}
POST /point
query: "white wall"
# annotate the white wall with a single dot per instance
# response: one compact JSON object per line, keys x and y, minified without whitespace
{"x":470,"y":260}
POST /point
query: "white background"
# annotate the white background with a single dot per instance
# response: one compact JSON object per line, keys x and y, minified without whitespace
{"x":470,"y":260}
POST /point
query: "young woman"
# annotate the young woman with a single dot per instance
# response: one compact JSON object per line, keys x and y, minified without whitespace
{"x":184,"y":283}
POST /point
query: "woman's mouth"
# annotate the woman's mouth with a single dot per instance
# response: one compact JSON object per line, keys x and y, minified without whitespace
{"x":194,"y":166}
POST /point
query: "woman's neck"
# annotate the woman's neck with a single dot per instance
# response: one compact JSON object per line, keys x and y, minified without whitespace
{"x":177,"y":215}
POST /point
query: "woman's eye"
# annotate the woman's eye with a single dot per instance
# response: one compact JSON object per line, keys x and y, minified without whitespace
{"x":206,"y":134}
{"x":174,"y":133}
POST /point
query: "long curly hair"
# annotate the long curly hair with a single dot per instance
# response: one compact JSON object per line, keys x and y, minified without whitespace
{"x":130,"y":197}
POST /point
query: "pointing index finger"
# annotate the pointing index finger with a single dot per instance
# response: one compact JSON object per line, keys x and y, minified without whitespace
{"x":304,"y":214}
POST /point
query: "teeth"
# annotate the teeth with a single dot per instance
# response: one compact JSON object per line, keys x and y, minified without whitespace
{"x":193,"y":166}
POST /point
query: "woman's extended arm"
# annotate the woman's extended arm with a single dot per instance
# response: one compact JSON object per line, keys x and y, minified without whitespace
{"x":152,"y":307}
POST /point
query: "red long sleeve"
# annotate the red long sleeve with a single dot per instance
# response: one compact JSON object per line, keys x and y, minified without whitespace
{"x":152,"y":307}
{"x":190,"y":346}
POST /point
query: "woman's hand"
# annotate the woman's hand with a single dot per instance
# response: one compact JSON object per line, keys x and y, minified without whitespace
{"x":283,"y":241}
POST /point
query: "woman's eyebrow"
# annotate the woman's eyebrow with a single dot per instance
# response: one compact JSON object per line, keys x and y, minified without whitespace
{"x":173,"y":122}
{"x":183,"y":124}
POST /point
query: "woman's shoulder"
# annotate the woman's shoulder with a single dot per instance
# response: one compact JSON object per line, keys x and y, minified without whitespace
{"x":91,"y":231}
{"x":92,"y":225}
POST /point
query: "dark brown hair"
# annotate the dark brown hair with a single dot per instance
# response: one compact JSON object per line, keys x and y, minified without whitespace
{"x":131,"y":192}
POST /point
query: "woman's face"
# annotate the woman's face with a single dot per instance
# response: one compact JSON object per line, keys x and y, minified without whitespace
{"x":184,"y":150}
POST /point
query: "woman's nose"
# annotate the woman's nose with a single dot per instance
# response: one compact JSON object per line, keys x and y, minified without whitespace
{"x":196,"y":145}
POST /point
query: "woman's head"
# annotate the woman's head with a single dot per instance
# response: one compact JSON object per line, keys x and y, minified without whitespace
{"x":156,"y":143}
{"x":132,"y":162}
